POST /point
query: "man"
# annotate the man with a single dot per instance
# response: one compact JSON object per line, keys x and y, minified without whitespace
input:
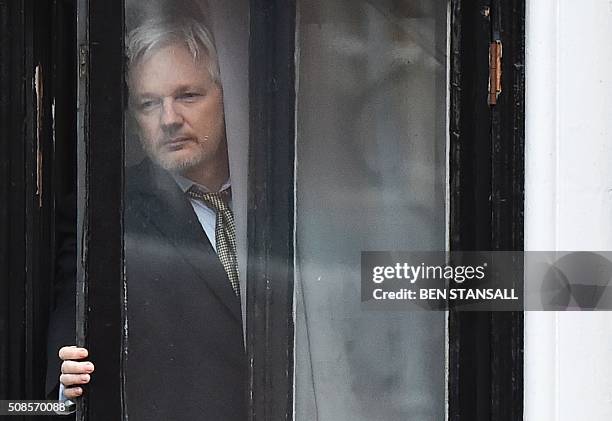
{"x":185,"y":345}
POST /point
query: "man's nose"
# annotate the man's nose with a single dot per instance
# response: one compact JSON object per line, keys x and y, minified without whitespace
{"x":170,"y":117}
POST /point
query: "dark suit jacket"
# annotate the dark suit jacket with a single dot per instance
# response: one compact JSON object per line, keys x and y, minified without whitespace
{"x":186,"y":358}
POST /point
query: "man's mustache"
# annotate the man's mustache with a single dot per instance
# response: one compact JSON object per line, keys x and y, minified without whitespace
{"x":182,"y":138}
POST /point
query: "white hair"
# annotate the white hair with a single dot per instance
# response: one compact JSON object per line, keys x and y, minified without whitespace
{"x":155,"y":34}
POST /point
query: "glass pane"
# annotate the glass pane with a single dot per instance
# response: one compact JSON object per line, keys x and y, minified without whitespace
{"x":185,"y":209}
{"x":371,"y":175}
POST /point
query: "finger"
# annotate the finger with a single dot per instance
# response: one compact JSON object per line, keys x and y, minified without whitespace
{"x":73,"y":392}
{"x":72,"y":379}
{"x":72,"y":353}
{"x":77,"y":367}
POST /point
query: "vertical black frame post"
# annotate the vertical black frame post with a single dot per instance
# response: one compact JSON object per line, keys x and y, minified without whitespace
{"x":100,"y":36}
{"x":16,"y":129}
{"x":26,"y":195}
{"x":39,"y":193}
{"x":271,"y":206}
{"x":508,"y":187}
{"x":487,"y":200}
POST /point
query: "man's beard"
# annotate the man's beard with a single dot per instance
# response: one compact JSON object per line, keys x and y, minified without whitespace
{"x":169,"y":162}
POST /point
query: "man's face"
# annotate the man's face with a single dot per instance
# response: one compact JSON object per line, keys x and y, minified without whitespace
{"x":179,"y":110}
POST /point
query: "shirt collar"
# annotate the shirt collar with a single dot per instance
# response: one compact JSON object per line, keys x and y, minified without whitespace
{"x":185,"y":184}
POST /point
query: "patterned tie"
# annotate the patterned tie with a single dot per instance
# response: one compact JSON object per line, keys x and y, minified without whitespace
{"x":225,"y":231}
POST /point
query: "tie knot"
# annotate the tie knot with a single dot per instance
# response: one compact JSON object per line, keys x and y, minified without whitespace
{"x":218,"y":201}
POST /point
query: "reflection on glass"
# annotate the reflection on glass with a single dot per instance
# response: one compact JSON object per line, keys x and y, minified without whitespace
{"x":371,"y":151}
{"x":184,"y":344}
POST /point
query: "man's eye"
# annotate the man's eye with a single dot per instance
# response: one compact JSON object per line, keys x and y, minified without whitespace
{"x":147,"y":105}
{"x":189,"y":96}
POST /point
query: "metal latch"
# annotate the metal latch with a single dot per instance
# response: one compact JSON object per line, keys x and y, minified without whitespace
{"x":495,"y":71}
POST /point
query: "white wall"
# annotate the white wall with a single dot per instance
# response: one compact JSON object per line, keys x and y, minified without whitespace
{"x":568,"y":204}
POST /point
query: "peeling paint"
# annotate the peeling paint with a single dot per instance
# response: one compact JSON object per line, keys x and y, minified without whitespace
{"x":38,"y":87}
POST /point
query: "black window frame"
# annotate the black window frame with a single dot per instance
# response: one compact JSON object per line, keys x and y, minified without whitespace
{"x":271,"y":209}
{"x":30,"y":183}
{"x":486,"y":203}
{"x":100,"y":134}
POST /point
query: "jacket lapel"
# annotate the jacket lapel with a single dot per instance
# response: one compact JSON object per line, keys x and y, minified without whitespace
{"x":159,"y":199}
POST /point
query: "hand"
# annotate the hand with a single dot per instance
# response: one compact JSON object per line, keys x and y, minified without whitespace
{"x":74,"y":373}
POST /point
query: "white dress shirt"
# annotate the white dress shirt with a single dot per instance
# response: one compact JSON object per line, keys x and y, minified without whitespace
{"x":206,"y":215}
